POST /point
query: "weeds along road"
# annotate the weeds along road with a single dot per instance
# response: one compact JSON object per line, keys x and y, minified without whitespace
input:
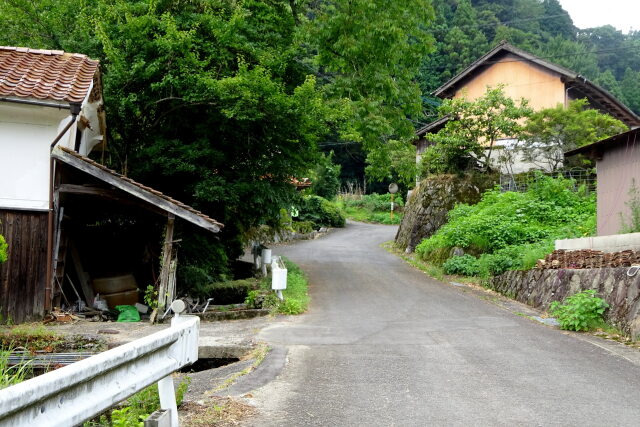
{"x":383,"y":344}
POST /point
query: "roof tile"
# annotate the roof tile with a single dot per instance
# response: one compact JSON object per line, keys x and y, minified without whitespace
{"x":45,"y":74}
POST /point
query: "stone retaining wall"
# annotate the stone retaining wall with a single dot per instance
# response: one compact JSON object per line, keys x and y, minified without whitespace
{"x":539,"y":288}
{"x":426,"y":210}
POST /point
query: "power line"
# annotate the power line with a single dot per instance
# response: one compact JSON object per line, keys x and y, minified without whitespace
{"x":505,"y":23}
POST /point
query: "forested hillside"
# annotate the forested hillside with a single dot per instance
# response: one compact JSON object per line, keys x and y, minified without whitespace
{"x":466,"y":29}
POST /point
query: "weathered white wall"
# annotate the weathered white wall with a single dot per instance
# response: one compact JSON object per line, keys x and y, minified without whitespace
{"x":26,"y":133}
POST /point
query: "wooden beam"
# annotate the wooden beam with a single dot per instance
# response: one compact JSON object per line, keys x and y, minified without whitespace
{"x":83,"y":277}
{"x":165,"y":272}
{"x":134,"y":190}
{"x":115,"y":195}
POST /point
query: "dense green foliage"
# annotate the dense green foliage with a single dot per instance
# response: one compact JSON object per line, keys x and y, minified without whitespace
{"x":220,"y":103}
{"x":468,"y":141}
{"x":321,"y":212}
{"x":14,"y":374}
{"x":580,"y":312}
{"x":373,"y":208}
{"x":550,"y":132}
{"x":511,"y":230}
{"x":326,"y":178}
{"x":369,"y":52}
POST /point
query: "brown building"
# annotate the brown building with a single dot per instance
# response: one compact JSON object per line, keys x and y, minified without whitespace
{"x":523,"y":75}
{"x":618,"y":167}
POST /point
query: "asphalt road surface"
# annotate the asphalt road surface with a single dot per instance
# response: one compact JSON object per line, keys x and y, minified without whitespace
{"x":383,"y":344}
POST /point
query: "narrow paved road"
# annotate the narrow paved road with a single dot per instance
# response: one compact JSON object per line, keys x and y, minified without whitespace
{"x":384,"y":345}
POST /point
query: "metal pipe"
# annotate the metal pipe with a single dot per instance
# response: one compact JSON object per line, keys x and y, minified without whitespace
{"x":38,"y":103}
{"x":74,"y":107}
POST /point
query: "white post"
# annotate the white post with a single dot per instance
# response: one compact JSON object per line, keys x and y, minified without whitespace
{"x":168,"y":398}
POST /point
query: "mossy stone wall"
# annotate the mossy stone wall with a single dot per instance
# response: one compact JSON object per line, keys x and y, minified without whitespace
{"x":426,"y":210}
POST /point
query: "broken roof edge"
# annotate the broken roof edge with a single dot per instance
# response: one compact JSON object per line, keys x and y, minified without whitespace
{"x":135,"y":189}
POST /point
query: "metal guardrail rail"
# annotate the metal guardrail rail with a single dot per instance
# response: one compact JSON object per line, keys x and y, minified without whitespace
{"x":45,"y":360}
{"x":80,"y":391}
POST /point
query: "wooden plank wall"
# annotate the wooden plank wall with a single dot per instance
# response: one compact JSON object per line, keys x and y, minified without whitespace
{"x":23,"y":276}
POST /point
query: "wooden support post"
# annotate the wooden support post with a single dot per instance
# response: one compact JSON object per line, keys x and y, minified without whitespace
{"x":165,"y":272}
{"x":83,"y":277}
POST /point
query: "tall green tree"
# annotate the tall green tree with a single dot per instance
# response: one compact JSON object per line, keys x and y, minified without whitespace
{"x":557,"y":21}
{"x":206,"y":101}
{"x":469,"y":137}
{"x":371,"y":52}
{"x":550,"y":132}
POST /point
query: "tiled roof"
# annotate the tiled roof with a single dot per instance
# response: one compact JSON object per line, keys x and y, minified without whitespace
{"x":45,"y":74}
{"x":148,"y":194}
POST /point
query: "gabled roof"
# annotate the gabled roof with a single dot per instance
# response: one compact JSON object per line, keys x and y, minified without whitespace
{"x":135,"y":189}
{"x":577,"y":82}
{"x":45,"y":74}
{"x":595,"y":149}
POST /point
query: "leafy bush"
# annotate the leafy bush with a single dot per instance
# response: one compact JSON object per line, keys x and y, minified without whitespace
{"x":320,"y":211}
{"x":229,"y":292}
{"x":465,"y":265}
{"x":326,"y":180}
{"x":302,"y":227}
{"x":512,"y":230}
{"x":580,"y":312}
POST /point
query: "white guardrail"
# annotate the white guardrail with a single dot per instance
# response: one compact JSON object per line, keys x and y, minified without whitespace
{"x":78,"y":392}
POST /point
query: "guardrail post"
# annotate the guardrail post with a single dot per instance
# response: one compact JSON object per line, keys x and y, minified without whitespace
{"x":168,"y":398}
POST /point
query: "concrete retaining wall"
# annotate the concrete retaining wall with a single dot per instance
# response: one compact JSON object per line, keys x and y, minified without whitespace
{"x":613,"y":243}
{"x":539,"y":288}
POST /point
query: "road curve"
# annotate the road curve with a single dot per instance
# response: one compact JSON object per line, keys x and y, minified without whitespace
{"x":383,"y":344}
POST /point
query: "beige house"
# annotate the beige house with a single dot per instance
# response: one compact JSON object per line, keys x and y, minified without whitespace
{"x":523,"y":75}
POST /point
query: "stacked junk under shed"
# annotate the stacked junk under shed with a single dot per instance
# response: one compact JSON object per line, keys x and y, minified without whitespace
{"x":107,"y":242}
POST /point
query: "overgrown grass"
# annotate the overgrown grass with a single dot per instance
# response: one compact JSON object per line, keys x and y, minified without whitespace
{"x":296,"y":295}
{"x":510,"y":231}
{"x":372,"y":208}
{"x":30,"y":336}
{"x":10,"y":375}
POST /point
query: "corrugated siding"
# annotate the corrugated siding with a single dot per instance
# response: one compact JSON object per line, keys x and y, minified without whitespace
{"x":23,"y":276}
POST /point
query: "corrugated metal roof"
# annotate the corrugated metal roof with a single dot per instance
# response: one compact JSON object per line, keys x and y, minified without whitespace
{"x":45,"y":74}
